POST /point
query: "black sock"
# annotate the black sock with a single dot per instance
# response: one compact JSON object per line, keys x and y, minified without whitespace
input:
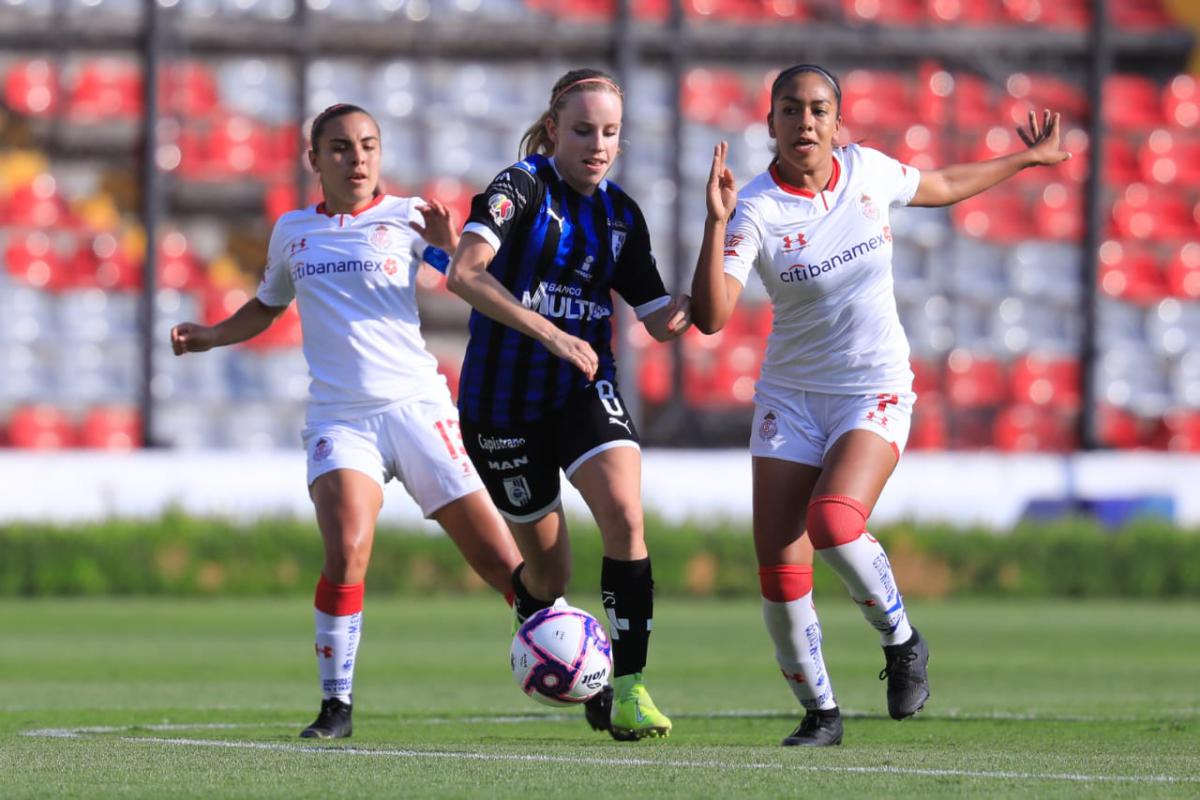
{"x":627,"y":590}
{"x":525,"y":604}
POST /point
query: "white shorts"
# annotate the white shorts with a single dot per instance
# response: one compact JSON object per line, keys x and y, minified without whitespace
{"x":417,"y":442}
{"x":801,"y":426}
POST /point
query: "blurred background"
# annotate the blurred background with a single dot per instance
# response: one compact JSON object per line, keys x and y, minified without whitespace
{"x":1056,"y":314}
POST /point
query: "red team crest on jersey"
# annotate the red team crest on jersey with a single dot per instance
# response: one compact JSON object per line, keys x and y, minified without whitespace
{"x":868,"y":208}
{"x":390,"y":266}
{"x":323,"y":449}
{"x":732,"y":240}
{"x":381,"y":237}
{"x":793,"y":242}
{"x":501,"y":208}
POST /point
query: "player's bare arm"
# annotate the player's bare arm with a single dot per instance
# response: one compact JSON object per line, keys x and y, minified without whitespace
{"x":714,"y":294}
{"x":468,"y":278}
{"x":249,"y":321}
{"x":943,"y":187}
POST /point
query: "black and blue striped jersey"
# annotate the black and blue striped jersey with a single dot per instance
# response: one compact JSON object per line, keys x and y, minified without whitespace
{"x":561,"y":254}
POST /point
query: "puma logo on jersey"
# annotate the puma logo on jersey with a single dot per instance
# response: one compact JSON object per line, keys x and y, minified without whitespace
{"x":624,"y":423}
{"x":554,"y":215}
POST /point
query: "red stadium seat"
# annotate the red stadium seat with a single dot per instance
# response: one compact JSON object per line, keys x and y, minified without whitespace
{"x":1046,"y":381}
{"x":40,"y":427}
{"x":1181,"y":102}
{"x":31,"y":259}
{"x":1117,"y":427}
{"x":933,"y":94}
{"x":104,"y":89}
{"x":1183,"y":272}
{"x":452,"y":192}
{"x":1070,"y":14}
{"x":654,"y":374}
{"x":975,"y":381}
{"x":177,"y":268}
{"x":1058,"y":213}
{"x":1024,"y":428}
{"x":920,"y":147}
{"x":1173,"y":158}
{"x":240,"y":145}
{"x":111,"y":428}
{"x":929,"y":425}
{"x":715,"y":97}
{"x":999,"y":215}
{"x":38,"y":204}
{"x":927,"y":378}
{"x":1035,"y":93}
{"x":1182,"y":429}
{"x":972,"y":13}
{"x":110,"y":266}
{"x":188,"y":89}
{"x":875,"y":99}
{"x":31,"y":88}
{"x":1131,"y":103}
{"x":1129,"y":272}
{"x":1156,"y":213}
{"x":904,"y":13}
{"x":1138,"y":14}
{"x":974,"y":103}
{"x":1120,"y":161}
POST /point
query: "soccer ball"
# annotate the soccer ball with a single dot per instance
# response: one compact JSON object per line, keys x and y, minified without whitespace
{"x":561,"y":656}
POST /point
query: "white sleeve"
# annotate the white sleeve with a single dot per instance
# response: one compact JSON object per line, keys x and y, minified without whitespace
{"x":743,"y":241}
{"x":277,"y":289}
{"x":897,"y":181}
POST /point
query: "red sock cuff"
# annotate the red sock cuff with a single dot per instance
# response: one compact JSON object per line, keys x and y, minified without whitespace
{"x":338,"y":599}
{"x":835,"y":519}
{"x":782,"y":583}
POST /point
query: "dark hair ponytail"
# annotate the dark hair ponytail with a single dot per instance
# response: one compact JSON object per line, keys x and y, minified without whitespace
{"x":536,"y":139}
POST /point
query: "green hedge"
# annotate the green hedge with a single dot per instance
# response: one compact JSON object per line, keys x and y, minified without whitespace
{"x":184,"y":555}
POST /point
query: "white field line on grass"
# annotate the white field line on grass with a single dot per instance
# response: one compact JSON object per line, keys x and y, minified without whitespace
{"x":649,"y":762}
{"x":603,"y":762}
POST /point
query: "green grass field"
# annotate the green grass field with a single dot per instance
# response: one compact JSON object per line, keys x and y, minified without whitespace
{"x":191,"y":698}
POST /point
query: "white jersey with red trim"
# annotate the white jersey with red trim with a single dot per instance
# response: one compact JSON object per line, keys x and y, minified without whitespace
{"x":825,"y":259}
{"x":353,"y":277}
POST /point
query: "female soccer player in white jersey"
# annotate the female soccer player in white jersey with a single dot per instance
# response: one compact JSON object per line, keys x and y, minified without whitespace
{"x":546,"y":244}
{"x":833,"y":402}
{"x":378,"y":408}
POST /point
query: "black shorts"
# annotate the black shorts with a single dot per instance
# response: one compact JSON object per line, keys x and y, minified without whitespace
{"x":519,"y":465}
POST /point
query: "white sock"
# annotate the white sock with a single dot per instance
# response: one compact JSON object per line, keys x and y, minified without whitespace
{"x":864,"y":569}
{"x":337,"y":643}
{"x":796,"y":632}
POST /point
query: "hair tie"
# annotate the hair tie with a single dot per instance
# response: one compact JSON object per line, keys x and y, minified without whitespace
{"x":597,"y":79}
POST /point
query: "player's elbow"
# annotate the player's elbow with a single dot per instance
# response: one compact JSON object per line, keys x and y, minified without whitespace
{"x":706,"y":321}
{"x":455,"y":281}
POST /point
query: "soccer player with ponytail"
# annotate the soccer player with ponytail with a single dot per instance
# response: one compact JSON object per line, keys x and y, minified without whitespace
{"x":378,"y":408}
{"x":834,"y":401}
{"x":546,"y":244}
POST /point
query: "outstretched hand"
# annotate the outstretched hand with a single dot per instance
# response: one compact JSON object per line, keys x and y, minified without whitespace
{"x":722,"y":188}
{"x":1044,"y":139}
{"x":439,"y":229}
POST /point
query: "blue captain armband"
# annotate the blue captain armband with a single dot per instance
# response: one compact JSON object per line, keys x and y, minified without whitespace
{"x":437,"y":258}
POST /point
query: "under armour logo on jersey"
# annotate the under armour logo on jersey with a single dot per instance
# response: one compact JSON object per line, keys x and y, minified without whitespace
{"x":793,"y":242}
{"x":297,"y":246}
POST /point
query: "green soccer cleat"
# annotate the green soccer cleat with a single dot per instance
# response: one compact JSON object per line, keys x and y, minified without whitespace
{"x":634,"y":715}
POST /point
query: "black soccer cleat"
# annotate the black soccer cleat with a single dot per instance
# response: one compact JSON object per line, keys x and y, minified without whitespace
{"x":332,"y":723}
{"x":598,"y":710}
{"x":907,"y":675}
{"x":818,"y":729}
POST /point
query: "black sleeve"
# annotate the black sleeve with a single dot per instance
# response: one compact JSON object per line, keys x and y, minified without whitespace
{"x":512,"y":196}
{"x":636,"y":277}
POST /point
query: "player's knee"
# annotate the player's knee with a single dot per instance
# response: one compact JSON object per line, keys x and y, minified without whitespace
{"x":783,"y":583}
{"x":621,"y":526}
{"x":834,"y":520}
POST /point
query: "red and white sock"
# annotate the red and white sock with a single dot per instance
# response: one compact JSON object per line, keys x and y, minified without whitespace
{"x":338,"y":617}
{"x":837,"y":526}
{"x":792,"y":622}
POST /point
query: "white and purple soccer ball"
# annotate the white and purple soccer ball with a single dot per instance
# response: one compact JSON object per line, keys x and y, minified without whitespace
{"x":561,"y":656}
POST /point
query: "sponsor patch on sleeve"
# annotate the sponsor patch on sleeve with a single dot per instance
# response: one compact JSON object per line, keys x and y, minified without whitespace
{"x":501,"y":207}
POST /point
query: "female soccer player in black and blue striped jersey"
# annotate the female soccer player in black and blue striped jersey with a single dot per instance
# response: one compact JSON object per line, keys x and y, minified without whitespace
{"x":545,"y":245}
